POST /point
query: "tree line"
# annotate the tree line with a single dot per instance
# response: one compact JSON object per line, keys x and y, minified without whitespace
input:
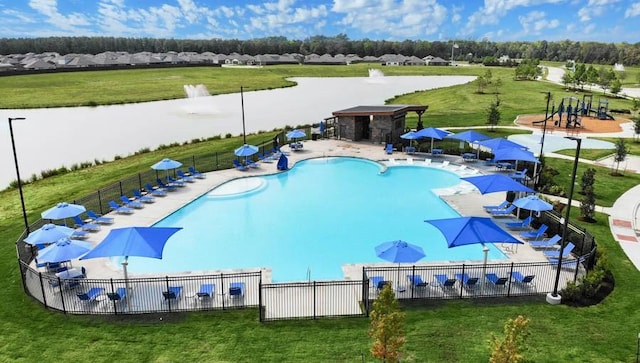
{"x":467,"y":50}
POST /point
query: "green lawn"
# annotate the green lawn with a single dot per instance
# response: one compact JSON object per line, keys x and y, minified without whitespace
{"x":452,"y":331}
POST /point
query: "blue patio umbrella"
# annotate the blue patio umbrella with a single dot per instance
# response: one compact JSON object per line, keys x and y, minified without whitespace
{"x":132,"y":241}
{"x":295,"y":134}
{"x":48,"y":233}
{"x":64,"y":249}
{"x":166,"y":164}
{"x":63,"y":210}
{"x":532,"y":203}
{"x":492,"y":183}
{"x":246,"y":151}
{"x":411,"y":135}
{"x":500,"y":143}
{"x":432,"y":133}
{"x":470,"y":136}
{"x":399,"y":251}
{"x":516,"y":154}
{"x":472,"y":230}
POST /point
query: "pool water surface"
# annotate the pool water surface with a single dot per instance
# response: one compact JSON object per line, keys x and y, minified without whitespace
{"x":309,"y":221}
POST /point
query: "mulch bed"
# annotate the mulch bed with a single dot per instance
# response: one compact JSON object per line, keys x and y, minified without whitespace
{"x":589,"y":124}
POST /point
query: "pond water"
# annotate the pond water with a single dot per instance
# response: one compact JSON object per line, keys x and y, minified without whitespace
{"x":50,"y":138}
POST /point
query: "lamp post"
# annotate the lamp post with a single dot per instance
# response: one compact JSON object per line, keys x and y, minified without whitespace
{"x":544,"y":131}
{"x":244,"y":134}
{"x":452,"y":48}
{"x":554,"y":298}
{"x":15,"y":159}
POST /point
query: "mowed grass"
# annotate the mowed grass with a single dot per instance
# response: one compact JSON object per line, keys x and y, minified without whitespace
{"x":451,"y":331}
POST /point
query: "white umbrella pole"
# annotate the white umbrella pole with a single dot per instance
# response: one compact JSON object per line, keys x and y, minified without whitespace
{"x":485,"y":249}
{"x":126,"y":281}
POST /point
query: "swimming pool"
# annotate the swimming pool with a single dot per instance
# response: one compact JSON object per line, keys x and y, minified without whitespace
{"x":312,"y":219}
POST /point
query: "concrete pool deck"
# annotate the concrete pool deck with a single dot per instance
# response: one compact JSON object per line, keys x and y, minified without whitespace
{"x":463,"y":197}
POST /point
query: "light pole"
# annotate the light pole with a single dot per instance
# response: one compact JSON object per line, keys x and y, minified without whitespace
{"x":554,"y":298}
{"x":244,"y":134}
{"x":454,"y":46}
{"x":544,"y":131}
{"x":15,"y":159}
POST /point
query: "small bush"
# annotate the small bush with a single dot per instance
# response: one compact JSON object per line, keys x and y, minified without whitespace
{"x":228,"y":135}
{"x":117,"y":157}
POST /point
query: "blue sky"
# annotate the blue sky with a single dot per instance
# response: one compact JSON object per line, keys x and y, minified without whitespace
{"x":495,"y":20}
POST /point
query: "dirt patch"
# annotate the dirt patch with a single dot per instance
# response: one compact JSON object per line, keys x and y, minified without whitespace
{"x":589,"y":124}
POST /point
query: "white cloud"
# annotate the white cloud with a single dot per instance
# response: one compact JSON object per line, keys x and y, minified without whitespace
{"x":395,"y":18}
{"x":535,"y":22}
{"x":494,"y":10}
{"x":49,"y":9}
{"x":594,"y":8}
{"x":284,"y":18}
{"x":633,"y":10}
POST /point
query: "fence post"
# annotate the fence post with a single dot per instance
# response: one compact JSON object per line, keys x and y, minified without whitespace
{"x":462,"y":282}
{"x":314,"y":300}
{"x":100,"y":202}
{"x":44,"y":295}
{"x":120,"y":186}
{"x":510,"y":274}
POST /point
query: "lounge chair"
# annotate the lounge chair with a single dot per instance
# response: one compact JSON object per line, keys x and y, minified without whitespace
{"x":427,"y":161}
{"x":502,"y":205}
{"x":393,"y":161}
{"x":445,"y":282}
{"x":525,"y":223}
{"x":185,"y":177}
{"x":519,"y":175}
{"x":169,"y":187}
{"x":119,"y":208}
{"x":436,"y":151}
{"x":79,"y":234}
{"x":206,"y":291}
{"x":96,"y":218}
{"x":537,"y":234}
{"x":89,"y":227}
{"x":145,"y":198}
{"x":410,"y":150}
{"x":173,"y":293}
{"x":565,"y":251}
{"x":389,"y":149}
{"x":522,"y":279}
{"x":567,"y":263}
{"x":467,"y":281}
{"x":547,"y":242}
{"x":119,"y":295}
{"x":195,"y":173}
{"x":156,"y":192}
{"x":131,"y":203}
{"x":236,"y":290}
{"x":444,"y":164}
{"x":416,"y":281}
{"x":503,"y":212}
{"x":496,"y":281}
{"x":240,"y":166}
{"x":91,"y":295}
{"x":176,"y":182}
{"x":378,"y":282}
{"x":265,"y":158}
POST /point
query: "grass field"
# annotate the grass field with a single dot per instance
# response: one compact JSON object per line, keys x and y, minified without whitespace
{"x":454,"y":331}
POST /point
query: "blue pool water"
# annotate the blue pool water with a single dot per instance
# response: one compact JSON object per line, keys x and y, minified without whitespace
{"x":316,"y":217}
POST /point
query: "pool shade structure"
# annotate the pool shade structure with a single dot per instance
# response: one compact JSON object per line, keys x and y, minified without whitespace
{"x":516,"y":154}
{"x":166,"y":164}
{"x":411,"y":135}
{"x":399,"y":252}
{"x":63,"y":211}
{"x":432,"y":133}
{"x":492,"y":183}
{"x":500,"y":143}
{"x":463,"y":231}
{"x":246,"y":151}
{"x":532,"y":203}
{"x":48,"y":233}
{"x":132,"y":241}
{"x":295,"y":134}
{"x":470,"y":136}
{"x":64,"y":249}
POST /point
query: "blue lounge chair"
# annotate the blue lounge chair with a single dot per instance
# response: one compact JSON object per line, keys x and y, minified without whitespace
{"x":567,"y":263}
{"x":236,"y":290}
{"x":119,"y":208}
{"x":79,"y":234}
{"x":175,"y":182}
{"x":416,"y":281}
{"x":467,"y":281}
{"x":522,"y":279}
{"x":565,"y":252}
{"x":519,"y":175}
{"x":378,"y":282}
{"x":98,"y":218}
{"x":130,"y":203}
{"x":389,"y":149}
{"x":502,"y":205}
{"x":119,"y":295}
{"x":496,"y":281}
{"x":240,"y":166}
{"x":173,"y":293}
{"x":265,"y":159}
{"x":445,"y":282}
{"x":145,"y":198}
{"x":206,"y":291}
{"x":185,"y":177}
{"x":90,"y":295}
{"x":169,"y":187}
{"x":525,"y":223}
{"x":503,"y":212}
{"x":547,"y":242}
{"x":89,"y":227}
{"x":537,"y":234}
{"x":195,"y":173}
{"x":156,"y":192}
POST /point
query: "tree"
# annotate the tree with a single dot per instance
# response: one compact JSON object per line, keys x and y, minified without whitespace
{"x":588,"y":203}
{"x":636,"y":128}
{"x":493,"y":114}
{"x":567,"y":79}
{"x":387,"y":327}
{"x":482,"y":84}
{"x":621,"y":154}
{"x":615,"y":87}
{"x":508,"y":348}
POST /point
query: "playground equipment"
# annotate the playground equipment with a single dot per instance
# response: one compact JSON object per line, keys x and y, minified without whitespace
{"x":571,"y":110}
